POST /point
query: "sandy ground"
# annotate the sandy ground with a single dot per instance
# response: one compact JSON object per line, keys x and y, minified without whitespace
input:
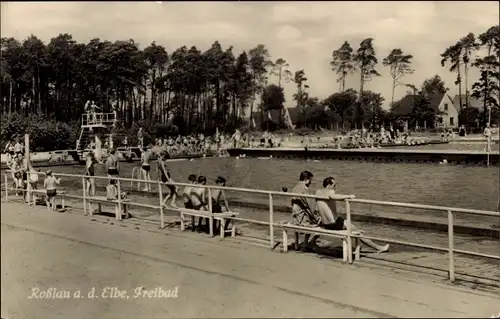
{"x":213,"y":277}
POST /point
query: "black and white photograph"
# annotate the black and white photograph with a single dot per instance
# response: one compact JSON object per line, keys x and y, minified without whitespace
{"x":245,"y":159}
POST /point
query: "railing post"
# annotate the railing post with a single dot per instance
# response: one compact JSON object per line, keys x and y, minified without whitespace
{"x":349,"y":230}
{"x":119,"y":214}
{"x":6,"y":187}
{"x":85,"y":197}
{"x":162,"y":222}
{"x":451,"y":244}
{"x":211,"y":215}
{"x":271,"y":221}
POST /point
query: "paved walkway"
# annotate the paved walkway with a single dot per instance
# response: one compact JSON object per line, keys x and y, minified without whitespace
{"x":215,"y":278}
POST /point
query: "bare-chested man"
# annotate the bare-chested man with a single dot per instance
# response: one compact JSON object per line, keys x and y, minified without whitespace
{"x":330,"y":218}
{"x":112,"y":164}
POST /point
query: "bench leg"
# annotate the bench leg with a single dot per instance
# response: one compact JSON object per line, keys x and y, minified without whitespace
{"x":222,"y":227}
{"x":344,"y":250}
{"x":357,"y":249}
{"x":193,"y":222}
{"x":296,"y":245}
{"x":233,"y":229}
{"x":285,"y":241}
{"x":62,"y":200}
{"x":183,"y":225}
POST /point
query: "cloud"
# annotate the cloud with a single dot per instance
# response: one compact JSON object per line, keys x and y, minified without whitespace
{"x":302,"y":33}
{"x":288,"y":32}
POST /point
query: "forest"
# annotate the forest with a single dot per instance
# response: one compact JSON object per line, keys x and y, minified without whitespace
{"x":44,"y":86}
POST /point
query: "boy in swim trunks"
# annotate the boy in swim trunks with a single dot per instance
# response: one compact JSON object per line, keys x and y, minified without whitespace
{"x":330,"y":218}
{"x":50,"y":185}
{"x":145,"y":167}
{"x":112,"y":164}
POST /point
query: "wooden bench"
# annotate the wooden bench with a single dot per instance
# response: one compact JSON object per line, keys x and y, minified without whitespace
{"x":43,"y":191}
{"x":104,"y":200}
{"x":323,"y":232}
{"x":221,"y":217}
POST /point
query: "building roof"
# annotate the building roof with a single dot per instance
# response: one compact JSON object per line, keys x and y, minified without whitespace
{"x":404,"y":106}
{"x":473,"y":102}
{"x":435,"y":99}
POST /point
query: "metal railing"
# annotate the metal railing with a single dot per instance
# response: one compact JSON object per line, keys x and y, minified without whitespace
{"x":346,"y":199}
{"x":98,"y":118}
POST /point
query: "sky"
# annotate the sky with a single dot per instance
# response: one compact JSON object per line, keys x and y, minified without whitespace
{"x":302,"y":33}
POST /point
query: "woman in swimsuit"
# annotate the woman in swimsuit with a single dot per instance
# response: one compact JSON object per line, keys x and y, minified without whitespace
{"x":89,"y":172}
{"x":146,"y":168}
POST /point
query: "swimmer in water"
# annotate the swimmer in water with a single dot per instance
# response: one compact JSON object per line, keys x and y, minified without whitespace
{"x":49,"y":184}
{"x":146,"y":167}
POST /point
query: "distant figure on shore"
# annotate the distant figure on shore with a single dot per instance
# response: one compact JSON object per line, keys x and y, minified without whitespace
{"x":236,"y":138}
{"x":461,"y":131}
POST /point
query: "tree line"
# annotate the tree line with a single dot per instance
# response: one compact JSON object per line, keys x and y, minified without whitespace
{"x":197,"y":91}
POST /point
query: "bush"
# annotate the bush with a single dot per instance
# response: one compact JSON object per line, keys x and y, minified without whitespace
{"x":45,"y":134}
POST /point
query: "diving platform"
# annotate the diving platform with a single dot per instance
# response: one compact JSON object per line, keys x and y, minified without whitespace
{"x":98,"y":120}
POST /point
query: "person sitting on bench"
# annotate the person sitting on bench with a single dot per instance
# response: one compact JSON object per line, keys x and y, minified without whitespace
{"x":303,"y":208}
{"x":112,"y":194}
{"x":199,"y":199}
{"x":112,"y":191}
{"x":330,"y":218}
{"x":216,"y":199}
{"x":187,"y":192}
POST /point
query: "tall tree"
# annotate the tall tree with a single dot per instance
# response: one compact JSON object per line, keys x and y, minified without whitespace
{"x":453,"y":56}
{"x":366,"y":61}
{"x":468,"y":45}
{"x":433,"y":85}
{"x":487,"y":87}
{"x":342,"y":63}
{"x":259,"y":62}
{"x":399,"y":66}
{"x":301,"y":95}
{"x":280,"y":68}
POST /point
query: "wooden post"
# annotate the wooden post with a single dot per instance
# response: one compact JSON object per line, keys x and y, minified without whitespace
{"x":84,"y":184}
{"x":349,"y":230}
{"x":211,"y":215}
{"x":271,"y":221}
{"x":451,"y":261}
{"x":6,"y":187}
{"x":162,"y":222}
{"x":119,"y":213}
{"x":27,"y":168}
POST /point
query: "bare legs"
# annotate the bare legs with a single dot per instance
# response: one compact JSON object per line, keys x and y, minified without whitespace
{"x":370,"y":243}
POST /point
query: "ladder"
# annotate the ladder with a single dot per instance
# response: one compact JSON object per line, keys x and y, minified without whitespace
{"x":83,"y":140}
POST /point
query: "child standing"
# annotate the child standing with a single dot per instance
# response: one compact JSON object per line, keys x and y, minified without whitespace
{"x":49,"y":184}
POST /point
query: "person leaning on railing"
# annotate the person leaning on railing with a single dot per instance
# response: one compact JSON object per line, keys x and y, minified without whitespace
{"x":330,"y":218}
